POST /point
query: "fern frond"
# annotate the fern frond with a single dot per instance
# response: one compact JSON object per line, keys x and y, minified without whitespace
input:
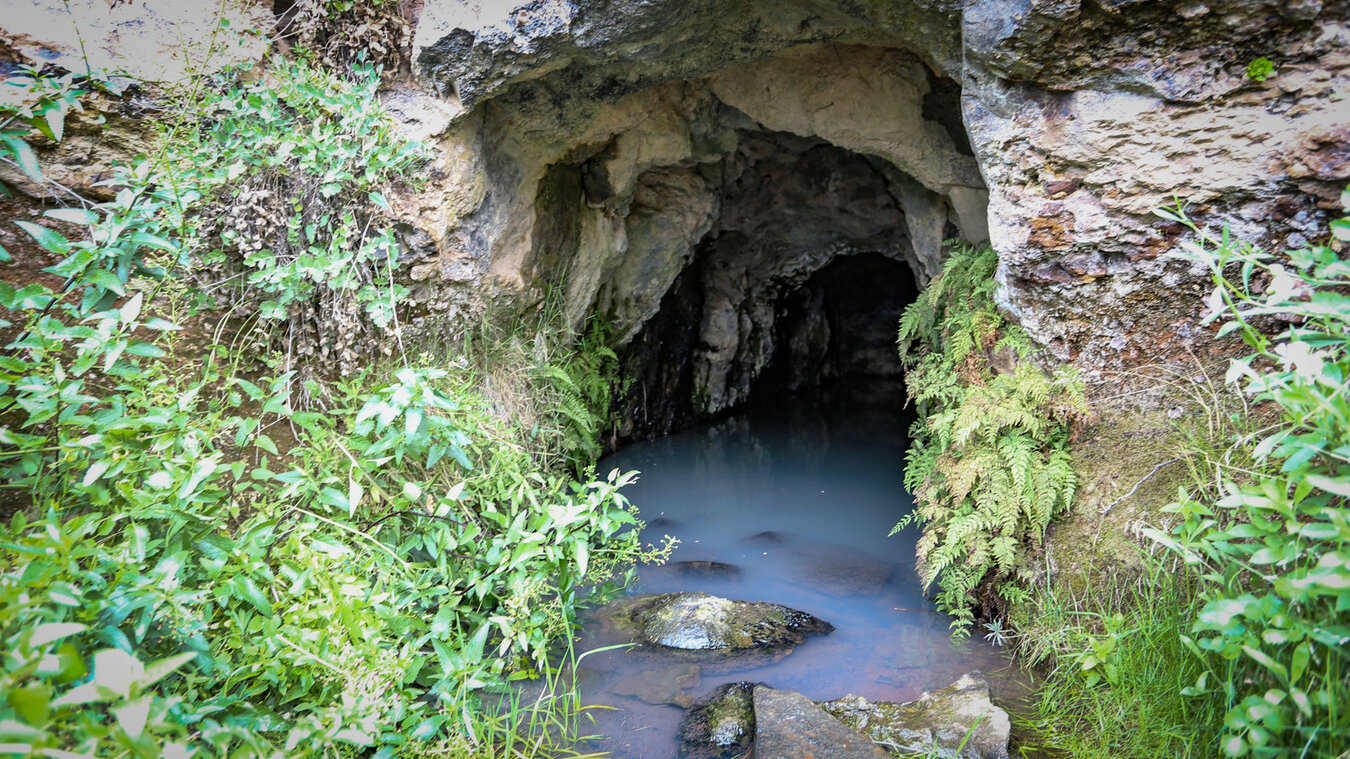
{"x":989,"y":464}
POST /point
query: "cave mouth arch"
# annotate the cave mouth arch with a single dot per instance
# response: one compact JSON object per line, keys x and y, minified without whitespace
{"x":688,"y":214}
{"x":798,"y":284}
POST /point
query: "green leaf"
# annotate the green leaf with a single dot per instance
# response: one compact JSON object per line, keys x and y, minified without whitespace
{"x":72,"y":215}
{"x":132,"y":308}
{"x":473,"y":653}
{"x":264,"y":442}
{"x":443,"y":621}
{"x":246,"y":589}
{"x":1340,"y":228}
{"x":56,"y":121}
{"x":165,"y":667}
{"x":1319,"y":531}
{"x":1337,"y":486}
{"x":1298,"y":663}
{"x":1220,"y":614}
{"x":1264,"y":659}
{"x":115,"y":671}
{"x":32,"y":702}
{"x":132,"y":716}
{"x":13,"y":730}
{"x":24,"y":156}
{"x":48,"y":238}
{"x":53,"y":631}
{"x":95,"y":471}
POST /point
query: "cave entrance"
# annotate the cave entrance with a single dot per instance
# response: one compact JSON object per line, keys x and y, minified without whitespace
{"x":840,"y":326}
{"x":758,"y":230}
{"x":799,"y":283}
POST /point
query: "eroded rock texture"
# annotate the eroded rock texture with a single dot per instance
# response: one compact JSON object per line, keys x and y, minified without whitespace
{"x":704,"y":160}
{"x":956,"y":722}
{"x":707,"y":159}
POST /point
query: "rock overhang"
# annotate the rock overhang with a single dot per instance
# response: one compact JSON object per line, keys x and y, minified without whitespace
{"x":1081,"y":119}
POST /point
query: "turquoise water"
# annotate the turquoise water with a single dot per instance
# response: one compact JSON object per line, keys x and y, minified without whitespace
{"x":797,"y":495}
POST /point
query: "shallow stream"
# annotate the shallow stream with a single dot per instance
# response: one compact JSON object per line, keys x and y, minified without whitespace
{"x":797,"y":496}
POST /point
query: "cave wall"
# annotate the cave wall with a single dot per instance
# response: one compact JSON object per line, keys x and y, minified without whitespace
{"x":584,"y":143}
{"x":1076,"y":120}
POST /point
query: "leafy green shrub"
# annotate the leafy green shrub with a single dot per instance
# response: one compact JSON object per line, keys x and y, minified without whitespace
{"x":1272,"y":546}
{"x":194,"y":565}
{"x":288,"y":172}
{"x":989,"y":462}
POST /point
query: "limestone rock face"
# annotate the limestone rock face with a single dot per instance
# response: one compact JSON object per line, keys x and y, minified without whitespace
{"x":137,"y":46}
{"x":1086,"y":117}
{"x":614,"y":152}
{"x":163,"y":41}
{"x":936,"y":724}
{"x":608,"y":139}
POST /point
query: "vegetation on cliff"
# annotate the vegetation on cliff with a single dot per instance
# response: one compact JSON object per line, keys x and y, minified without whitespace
{"x":989,"y":464}
{"x":211,"y":552}
{"x":1234,"y":641}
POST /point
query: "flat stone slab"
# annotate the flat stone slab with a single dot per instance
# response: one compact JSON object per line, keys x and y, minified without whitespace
{"x":936,"y":724}
{"x":664,"y":685}
{"x":789,"y":726}
{"x":703,"y":570}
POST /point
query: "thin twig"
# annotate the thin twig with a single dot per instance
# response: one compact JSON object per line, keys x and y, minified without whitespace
{"x":1107,"y":508}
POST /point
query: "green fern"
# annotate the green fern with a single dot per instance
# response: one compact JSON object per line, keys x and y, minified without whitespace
{"x":989,"y":464}
{"x":583,"y":384}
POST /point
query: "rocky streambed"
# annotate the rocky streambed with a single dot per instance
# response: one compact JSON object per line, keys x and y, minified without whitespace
{"x":683,"y":635}
{"x":786,"y":620}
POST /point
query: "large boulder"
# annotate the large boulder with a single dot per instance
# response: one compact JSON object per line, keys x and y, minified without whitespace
{"x":699,"y":622}
{"x":957,"y":722}
{"x":789,"y":726}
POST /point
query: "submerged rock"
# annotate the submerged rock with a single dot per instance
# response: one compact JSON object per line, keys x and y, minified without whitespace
{"x":720,"y":725}
{"x":703,"y":622}
{"x":705,"y":570}
{"x":789,"y":726}
{"x":663,"y":685}
{"x":766,"y":538}
{"x":839,"y":570}
{"x":934,"y":725}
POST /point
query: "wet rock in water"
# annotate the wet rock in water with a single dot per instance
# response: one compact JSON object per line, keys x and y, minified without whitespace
{"x":935,"y":724}
{"x":720,"y":725}
{"x":839,"y":570}
{"x":766,"y":538}
{"x":663,"y":685}
{"x":662,"y":524}
{"x":705,"y":570}
{"x":705,"y":623}
{"x":789,"y":726}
